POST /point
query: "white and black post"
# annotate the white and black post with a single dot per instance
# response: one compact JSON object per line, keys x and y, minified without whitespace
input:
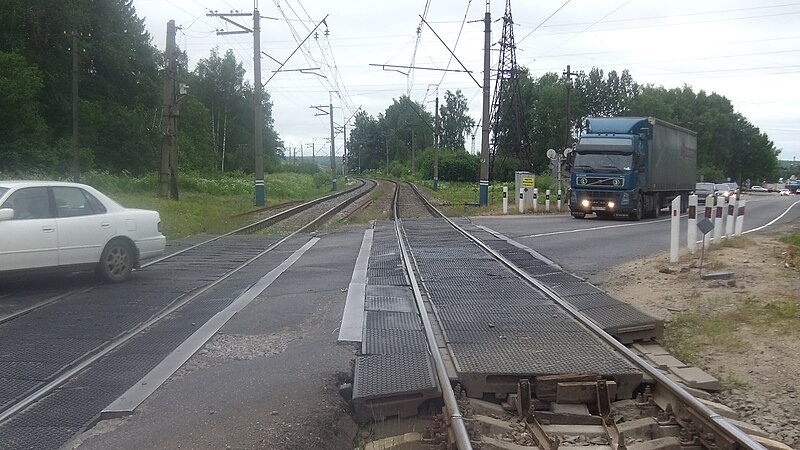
{"x":691,"y":230}
{"x":675,"y":230}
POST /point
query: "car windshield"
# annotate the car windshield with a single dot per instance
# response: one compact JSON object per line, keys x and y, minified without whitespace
{"x":603,"y":162}
{"x":704,"y":187}
{"x":721,"y":187}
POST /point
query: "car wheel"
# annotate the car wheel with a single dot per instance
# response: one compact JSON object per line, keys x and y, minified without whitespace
{"x":116,"y":261}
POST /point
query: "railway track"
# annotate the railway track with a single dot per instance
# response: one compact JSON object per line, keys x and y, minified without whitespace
{"x":67,"y":356}
{"x":588,"y":389}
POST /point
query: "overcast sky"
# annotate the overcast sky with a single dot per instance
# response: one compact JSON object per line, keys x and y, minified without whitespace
{"x":745,"y":50}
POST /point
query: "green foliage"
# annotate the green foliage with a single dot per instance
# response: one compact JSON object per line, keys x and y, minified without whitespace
{"x":23,"y":128}
{"x":710,"y":174}
{"x":793,"y":239}
{"x":454,"y":121}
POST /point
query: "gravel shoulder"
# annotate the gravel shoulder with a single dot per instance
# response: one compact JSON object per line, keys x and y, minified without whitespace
{"x":745,"y":331}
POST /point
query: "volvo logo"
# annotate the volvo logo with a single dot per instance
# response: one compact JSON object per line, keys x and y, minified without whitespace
{"x":617,"y":182}
{"x":582,"y":181}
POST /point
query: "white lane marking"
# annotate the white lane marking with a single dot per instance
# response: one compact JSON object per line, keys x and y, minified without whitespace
{"x":138,"y":393}
{"x":604,"y":227}
{"x":775,"y":219}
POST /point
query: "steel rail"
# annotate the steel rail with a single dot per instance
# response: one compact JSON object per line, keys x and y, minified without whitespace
{"x":742,"y":438}
{"x":260,"y":224}
{"x":81,"y":364}
{"x":455,"y":417}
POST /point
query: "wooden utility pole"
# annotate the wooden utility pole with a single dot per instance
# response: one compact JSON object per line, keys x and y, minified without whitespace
{"x":76,"y":166}
{"x":568,"y":128}
{"x":168,"y":175}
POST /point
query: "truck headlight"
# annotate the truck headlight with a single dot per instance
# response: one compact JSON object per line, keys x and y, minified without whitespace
{"x":611,"y":205}
{"x":585,"y":203}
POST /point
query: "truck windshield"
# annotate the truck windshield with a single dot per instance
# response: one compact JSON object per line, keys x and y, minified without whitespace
{"x":603,"y":162}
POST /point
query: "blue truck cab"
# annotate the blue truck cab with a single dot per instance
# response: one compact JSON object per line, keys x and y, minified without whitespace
{"x":631,"y":167}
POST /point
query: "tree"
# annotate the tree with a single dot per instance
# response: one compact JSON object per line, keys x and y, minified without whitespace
{"x":23,"y":129}
{"x":454,"y":121}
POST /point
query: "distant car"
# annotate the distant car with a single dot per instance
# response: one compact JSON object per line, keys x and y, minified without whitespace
{"x":703,"y":190}
{"x":757,"y":188}
{"x":723,"y":190}
{"x":49,"y":224}
{"x":785,"y":192}
{"x":734,"y":188}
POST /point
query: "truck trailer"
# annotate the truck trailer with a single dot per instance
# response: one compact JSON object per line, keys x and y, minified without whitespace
{"x":631,"y":167}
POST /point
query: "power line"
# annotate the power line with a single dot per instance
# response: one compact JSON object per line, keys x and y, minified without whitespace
{"x":544,"y":21}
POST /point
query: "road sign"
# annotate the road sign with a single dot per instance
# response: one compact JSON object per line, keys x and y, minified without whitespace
{"x":527,"y":182}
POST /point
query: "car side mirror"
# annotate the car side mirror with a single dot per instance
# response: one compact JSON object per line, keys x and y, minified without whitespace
{"x":6,"y":214}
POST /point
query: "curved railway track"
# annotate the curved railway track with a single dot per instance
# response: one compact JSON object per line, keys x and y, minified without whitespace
{"x":659,"y":414}
{"x":48,"y":348}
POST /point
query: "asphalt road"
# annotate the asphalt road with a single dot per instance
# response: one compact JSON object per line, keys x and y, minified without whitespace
{"x":589,"y":247}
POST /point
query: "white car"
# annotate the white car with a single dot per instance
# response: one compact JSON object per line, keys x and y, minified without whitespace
{"x":785,"y":192}
{"x":50,"y":224}
{"x":759,"y":189}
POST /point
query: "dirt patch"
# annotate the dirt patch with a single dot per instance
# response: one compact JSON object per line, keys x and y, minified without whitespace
{"x":744,"y":330}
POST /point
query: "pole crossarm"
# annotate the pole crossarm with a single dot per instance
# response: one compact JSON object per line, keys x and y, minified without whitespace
{"x":224,"y":16}
{"x":392,"y":68}
{"x":310,"y":33}
{"x":323,"y":110}
{"x":451,"y":52}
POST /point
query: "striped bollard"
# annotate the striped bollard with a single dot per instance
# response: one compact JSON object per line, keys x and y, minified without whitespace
{"x":675,"y":230}
{"x":558,"y":200}
{"x":708,"y":214}
{"x":521,"y":201}
{"x":718,"y":221}
{"x":740,"y":218}
{"x":505,"y":199}
{"x":535,"y":199}
{"x":691,"y":230}
{"x":731,"y":217}
{"x":547,"y":200}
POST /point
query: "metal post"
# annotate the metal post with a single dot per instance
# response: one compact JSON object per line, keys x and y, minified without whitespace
{"x":731,"y":216}
{"x":675,"y":230}
{"x":259,"y":110}
{"x":333,"y":148}
{"x":710,"y":216}
{"x":558,"y":200}
{"x":436,"y":145}
{"x":167,"y":131}
{"x":487,"y":44}
{"x":718,"y":219}
{"x":691,"y":229}
{"x":740,"y":217}
{"x":547,"y":200}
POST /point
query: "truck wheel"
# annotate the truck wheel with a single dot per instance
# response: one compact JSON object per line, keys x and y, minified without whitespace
{"x":637,"y":215}
{"x":578,"y":215}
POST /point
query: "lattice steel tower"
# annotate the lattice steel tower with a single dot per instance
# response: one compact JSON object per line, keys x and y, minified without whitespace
{"x":510,"y":136}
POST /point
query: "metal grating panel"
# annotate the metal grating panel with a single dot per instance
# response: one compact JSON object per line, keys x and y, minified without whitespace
{"x":390,"y":280}
{"x":387,"y":375}
{"x":388,"y":341}
{"x":69,"y":408}
{"x":391,"y":320}
{"x":586,"y":301}
{"x":35,"y":437}
{"x":620,"y":316}
{"x":389,"y":304}
{"x":574,"y":289}
{"x":552,"y":354}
